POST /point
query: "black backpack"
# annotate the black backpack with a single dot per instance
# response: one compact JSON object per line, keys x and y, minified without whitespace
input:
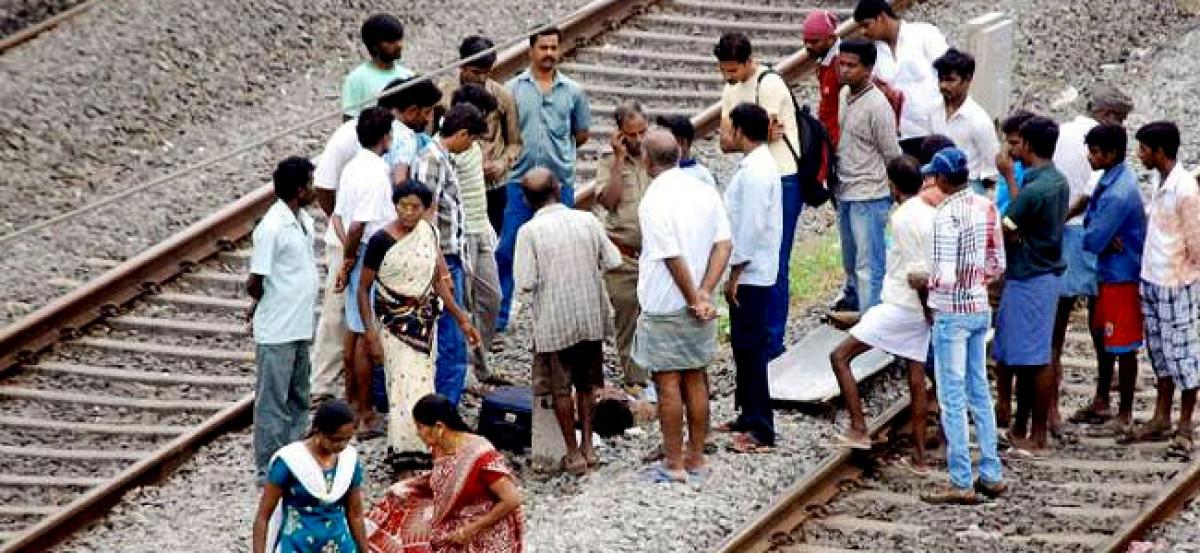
{"x":815,"y":154}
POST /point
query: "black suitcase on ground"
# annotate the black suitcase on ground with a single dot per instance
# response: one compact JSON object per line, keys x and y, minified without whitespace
{"x":506,"y":418}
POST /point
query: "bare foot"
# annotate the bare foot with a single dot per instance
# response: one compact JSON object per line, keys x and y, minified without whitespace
{"x":590,"y":457}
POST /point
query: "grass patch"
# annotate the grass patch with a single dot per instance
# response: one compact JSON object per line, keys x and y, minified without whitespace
{"x":816,"y":270}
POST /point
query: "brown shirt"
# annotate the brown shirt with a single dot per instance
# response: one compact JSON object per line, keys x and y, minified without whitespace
{"x":622,"y":222}
{"x":502,"y":142}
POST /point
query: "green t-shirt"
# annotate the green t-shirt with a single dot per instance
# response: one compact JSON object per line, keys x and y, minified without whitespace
{"x":366,"y":81}
{"x":1039,"y":212}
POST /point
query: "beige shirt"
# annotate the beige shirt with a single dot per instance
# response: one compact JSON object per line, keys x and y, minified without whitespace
{"x":775,"y":97}
{"x":622,"y":222}
{"x":560,"y":260}
{"x":502,"y":141}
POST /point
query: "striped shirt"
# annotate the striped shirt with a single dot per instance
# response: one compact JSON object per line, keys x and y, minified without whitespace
{"x":967,"y":252}
{"x":560,"y":259}
{"x":434,"y":168}
{"x":472,"y":189}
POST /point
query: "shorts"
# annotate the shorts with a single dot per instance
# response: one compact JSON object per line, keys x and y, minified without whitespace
{"x":580,"y":365}
{"x":900,"y":331}
{"x":1080,"y":277}
{"x":1170,"y":315}
{"x":354,"y":321}
{"x":1025,"y":321}
{"x":1118,"y":317}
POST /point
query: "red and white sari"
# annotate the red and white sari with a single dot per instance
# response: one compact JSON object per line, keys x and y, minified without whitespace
{"x":420,"y":514}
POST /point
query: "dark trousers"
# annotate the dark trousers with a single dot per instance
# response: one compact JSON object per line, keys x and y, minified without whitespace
{"x":749,"y":340}
{"x":497,"y":198}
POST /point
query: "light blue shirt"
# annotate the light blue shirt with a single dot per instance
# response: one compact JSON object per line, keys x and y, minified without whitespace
{"x":406,"y":144}
{"x":754,"y":201}
{"x":548,"y":124}
{"x":283,"y":254}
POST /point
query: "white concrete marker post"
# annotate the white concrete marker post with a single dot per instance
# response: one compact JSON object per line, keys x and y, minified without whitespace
{"x":990,"y":40}
{"x":548,"y":446}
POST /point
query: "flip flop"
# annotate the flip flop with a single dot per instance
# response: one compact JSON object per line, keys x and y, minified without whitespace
{"x":699,"y":475}
{"x":907,"y":464}
{"x":591,"y":460}
{"x":1145,"y":433}
{"x":748,"y":445}
{"x":660,"y":474}
{"x":727,"y":427}
{"x":844,"y":441}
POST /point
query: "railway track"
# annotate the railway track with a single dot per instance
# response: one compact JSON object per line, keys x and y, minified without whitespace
{"x":1093,"y":495}
{"x":32,"y":31}
{"x":122,"y":378}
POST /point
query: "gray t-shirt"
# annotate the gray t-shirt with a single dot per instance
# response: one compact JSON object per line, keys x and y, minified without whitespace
{"x":867,"y":144}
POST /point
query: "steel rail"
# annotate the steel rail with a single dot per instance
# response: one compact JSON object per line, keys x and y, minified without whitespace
{"x":1181,"y":489}
{"x":801,"y":500}
{"x":129,"y":280}
{"x":28,"y":33}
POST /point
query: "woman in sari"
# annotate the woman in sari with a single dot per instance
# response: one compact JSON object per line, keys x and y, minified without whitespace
{"x":312,"y":500}
{"x":411,"y":283}
{"x":468,"y":503}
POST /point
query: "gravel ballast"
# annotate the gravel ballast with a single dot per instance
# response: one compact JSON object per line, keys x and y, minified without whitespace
{"x":132,"y":91}
{"x":614,"y":509}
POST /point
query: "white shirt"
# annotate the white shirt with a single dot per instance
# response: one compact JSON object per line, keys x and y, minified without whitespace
{"x":1070,"y":157}
{"x":912,"y":231}
{"x":680,"y":217}
{"x":775,"y":98}
{"x":1171,"y":256}
{"x":910,"y":69}
{"x":972,"y":131}
{"x":343,"y":145}
{"x":754,"y":203}
{"x":364,"y":194}
{"x":283,"y":254}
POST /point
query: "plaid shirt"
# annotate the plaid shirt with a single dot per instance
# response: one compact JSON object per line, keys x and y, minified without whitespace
{"x":434,"y":168}
{"x":560,"y":259}
{"x":967,"y":253}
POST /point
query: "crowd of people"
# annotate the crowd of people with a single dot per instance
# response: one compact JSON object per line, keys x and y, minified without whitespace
{"x":445,"y":201}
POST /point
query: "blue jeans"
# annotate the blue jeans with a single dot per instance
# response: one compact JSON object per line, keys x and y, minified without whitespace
{"x":752,"y":396}
{"x":516,"y":214}
{"x":450,"y":375}
{"x":777,"y":308}
{"x":962,"y":385}
{"x":861,"y":226}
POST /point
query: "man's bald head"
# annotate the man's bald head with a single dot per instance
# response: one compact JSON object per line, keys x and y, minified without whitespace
{"x":540,"y":187}
{"x":661,"y":151}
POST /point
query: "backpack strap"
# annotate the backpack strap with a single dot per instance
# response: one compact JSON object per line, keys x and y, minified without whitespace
{"x":795,"y":107}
